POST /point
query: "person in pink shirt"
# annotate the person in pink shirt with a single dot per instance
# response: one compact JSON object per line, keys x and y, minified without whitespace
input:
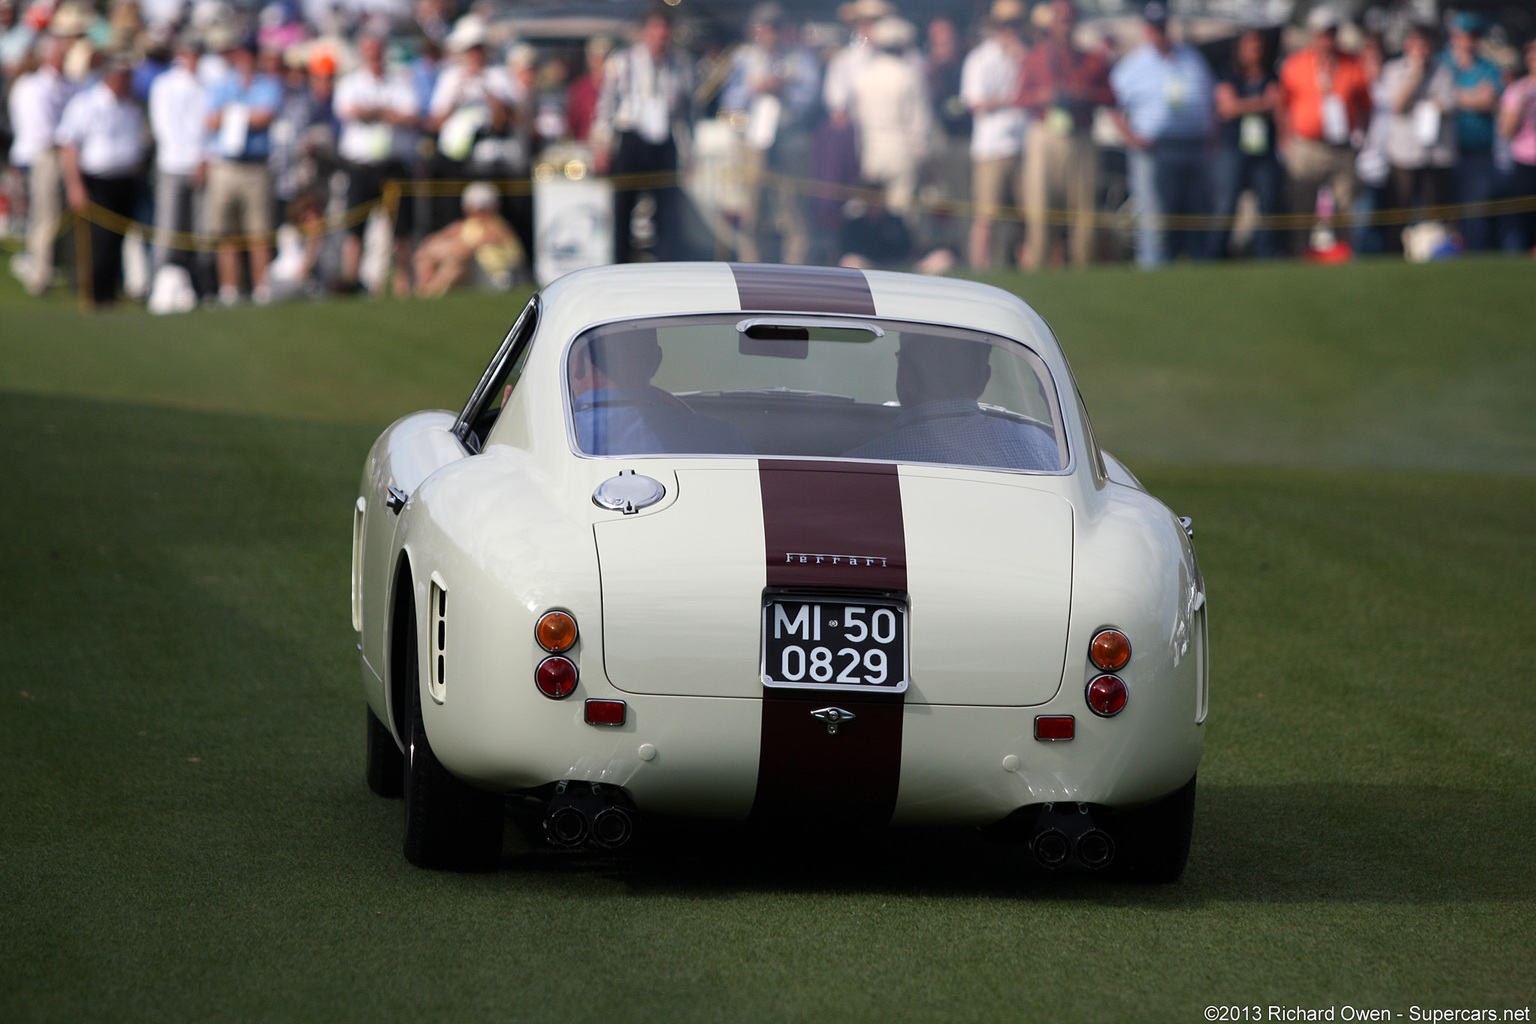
{"x":1517,"y":123}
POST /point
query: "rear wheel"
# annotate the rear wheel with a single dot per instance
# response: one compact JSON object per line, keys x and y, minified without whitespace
{"x":1152,"y":842}
{"x":386,"y":765}
{"x":449,"y":824}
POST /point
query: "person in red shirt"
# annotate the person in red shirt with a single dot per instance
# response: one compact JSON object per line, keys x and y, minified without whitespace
{"x":1060,"y":86}
{"x":1325,"y":104}
{"x":581,"y":95}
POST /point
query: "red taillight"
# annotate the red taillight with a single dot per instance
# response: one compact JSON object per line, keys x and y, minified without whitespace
{"x":1110,"y":650}
{"x":605,"y":712}
{"x":1106,"y":695}
{"x":1055,"y":727}
{"x":555,"y":677}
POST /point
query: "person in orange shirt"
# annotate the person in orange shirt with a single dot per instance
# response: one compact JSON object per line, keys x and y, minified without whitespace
{"x":1325,"y":103}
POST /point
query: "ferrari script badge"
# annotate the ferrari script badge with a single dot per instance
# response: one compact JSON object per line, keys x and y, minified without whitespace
{"x":833,"y":717}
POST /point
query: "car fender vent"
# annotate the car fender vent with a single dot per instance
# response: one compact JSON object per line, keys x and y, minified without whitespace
{"x":359,"y":517}
{"x":437,"y":641}
{"x":1201,"y":644}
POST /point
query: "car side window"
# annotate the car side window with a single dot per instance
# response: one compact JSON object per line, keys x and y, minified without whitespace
{"x":496,"y":384}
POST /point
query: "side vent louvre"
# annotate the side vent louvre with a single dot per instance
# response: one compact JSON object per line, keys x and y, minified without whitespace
{"x":358,"y":515}
{"x":437,"y":642}
{"x":1202,"y":667}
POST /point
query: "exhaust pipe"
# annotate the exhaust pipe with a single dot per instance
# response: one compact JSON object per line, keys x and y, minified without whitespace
{"x":581,"y":813}
{"x":612,"y":828}
{"x":1051,"y":848}
{"x":566,"y":826}
{"x":1065,"y":834}
{"x":1095,"y":849}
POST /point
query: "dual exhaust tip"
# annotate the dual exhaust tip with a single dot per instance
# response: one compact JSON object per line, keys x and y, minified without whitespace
{"x":610,"y":828}
{"x":1066,"y":832}
{"x":582,"y":814}
{"x":1094,"y":849}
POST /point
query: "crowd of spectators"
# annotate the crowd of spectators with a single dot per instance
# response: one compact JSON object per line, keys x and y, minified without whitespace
{"x":865,"y":141}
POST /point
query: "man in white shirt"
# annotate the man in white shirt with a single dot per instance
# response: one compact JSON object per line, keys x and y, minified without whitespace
{"x":845,"y":65}
{"x":178,"y":107}
{"x":36,"y":103}
{"x":377,"y":111}
{"x":472,"y":98}
{"x":893,"y":115}
{"x":101,"y":145}
{"x":989,"y":81}
{"x":647,"y":89}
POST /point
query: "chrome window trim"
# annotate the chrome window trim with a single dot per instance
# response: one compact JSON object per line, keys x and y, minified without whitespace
{"x":1053,"y":393}
{"x":827,"y":323}
{"x":511,"y":347}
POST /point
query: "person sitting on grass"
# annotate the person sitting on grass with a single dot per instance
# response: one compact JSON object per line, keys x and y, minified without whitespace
{"x":446,"y":258}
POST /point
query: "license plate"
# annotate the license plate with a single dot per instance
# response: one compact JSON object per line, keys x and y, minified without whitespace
{"x":819,"y":644}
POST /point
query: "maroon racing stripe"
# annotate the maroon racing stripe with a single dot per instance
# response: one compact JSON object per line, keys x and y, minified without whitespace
{"x":833,"y":524}
{"x":830,"y":525}
{"x":803,"y":289}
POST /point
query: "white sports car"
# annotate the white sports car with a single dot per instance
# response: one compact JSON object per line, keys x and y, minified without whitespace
{"x":819,"y":546}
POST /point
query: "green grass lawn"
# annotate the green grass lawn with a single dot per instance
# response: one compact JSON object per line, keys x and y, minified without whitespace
{"x":187,"y":835}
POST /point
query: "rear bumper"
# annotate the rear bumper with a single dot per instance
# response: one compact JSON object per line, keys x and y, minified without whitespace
{"x":699,"y":756}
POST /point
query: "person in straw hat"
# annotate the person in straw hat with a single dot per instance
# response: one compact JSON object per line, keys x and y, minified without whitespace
{"x":892,"y":114}
{"x":845,"y":65}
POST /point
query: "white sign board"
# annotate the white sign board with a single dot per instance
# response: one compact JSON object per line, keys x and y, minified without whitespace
{"x":572,"y":226}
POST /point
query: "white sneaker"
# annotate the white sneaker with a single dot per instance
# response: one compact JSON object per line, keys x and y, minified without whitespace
{"x":229,"y":295}
{"x":21,"y":267}
{"x":261,"y":295}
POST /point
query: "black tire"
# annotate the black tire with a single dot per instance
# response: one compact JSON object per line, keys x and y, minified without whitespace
{"x":449,"y":824}
{"x":1152,"y":842}
{"x":386,"y":765}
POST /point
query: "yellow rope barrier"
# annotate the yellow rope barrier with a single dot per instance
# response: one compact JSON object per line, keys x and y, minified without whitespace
{"x":397,"y":189}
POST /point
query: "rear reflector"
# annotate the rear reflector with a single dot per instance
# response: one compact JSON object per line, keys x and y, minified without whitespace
{"x":605,"y":712}
{"x":1055,"y":727}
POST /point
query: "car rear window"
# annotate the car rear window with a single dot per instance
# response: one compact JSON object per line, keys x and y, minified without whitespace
{"x":787,"y":387}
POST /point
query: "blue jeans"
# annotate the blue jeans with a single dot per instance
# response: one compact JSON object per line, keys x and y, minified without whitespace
{"x":1477,"y":181}
{"x":1364,"y":237}
{"x":1170,"y":179}
{"x":1237,"y":172}
{"x":1519,"y":229}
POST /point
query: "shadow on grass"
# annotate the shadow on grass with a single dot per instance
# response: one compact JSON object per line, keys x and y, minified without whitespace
{"x":1260,"y":844}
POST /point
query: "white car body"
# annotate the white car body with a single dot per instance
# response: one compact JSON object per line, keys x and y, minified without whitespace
{"x":1008,"y":578}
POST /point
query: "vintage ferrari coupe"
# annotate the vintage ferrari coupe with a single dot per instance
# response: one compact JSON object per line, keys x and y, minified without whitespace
{"x":824,"y":547}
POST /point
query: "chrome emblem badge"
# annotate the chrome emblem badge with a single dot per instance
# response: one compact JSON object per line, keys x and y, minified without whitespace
{"x":834,"y":717}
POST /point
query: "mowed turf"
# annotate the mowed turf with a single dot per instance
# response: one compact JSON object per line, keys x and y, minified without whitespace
{"x":187,"y":835}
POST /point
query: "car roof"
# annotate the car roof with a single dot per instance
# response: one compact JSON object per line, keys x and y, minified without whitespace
{"x":630,"y":291}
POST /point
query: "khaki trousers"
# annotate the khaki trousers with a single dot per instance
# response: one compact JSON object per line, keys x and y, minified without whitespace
{"x":45,"y":205}
{"x":1310,"y":164}
{"x":1060,"y":171}
{"x":788,"y":213}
